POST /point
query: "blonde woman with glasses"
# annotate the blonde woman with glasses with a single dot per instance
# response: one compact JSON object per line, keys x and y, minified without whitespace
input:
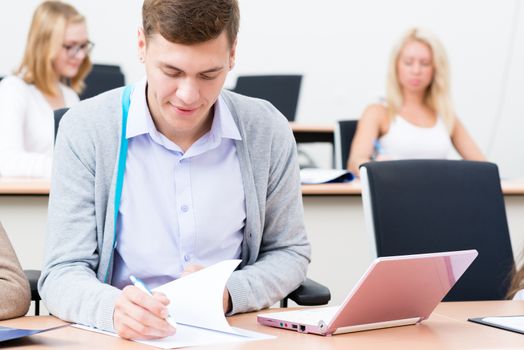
{"x":417,"y":120}
{"x":52,"y":72}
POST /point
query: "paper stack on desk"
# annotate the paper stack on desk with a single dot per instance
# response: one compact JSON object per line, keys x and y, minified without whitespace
{"x":8,"y":333}
{"x":508,"y":323}
{"x":197,"y":307}
{"x":311,"y":176}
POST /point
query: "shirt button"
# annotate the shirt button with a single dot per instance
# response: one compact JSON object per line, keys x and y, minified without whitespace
{"x":184,"y":208}
{"x":187,"y":257}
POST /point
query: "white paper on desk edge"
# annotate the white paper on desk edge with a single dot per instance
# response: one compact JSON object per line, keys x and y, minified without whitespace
{"x":197,"y":299}
{"x":515,"y":322}
{"x":191,"y":336}
{"x":310,"y":176}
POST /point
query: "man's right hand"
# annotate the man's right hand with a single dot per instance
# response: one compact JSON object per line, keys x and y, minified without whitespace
{"x":138,"y":315}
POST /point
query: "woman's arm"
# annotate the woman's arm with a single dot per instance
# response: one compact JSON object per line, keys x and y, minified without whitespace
{"x":368,"y":130}
{"x":464,"y":143}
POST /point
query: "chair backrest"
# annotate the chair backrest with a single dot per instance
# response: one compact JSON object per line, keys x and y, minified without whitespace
{"x":423,"y":206}
{"x":281,"y":90}
{"x":32,"y":277}
{"x":59,"y":113}
{"x":102,"y":78}
{"x":344,"y":132}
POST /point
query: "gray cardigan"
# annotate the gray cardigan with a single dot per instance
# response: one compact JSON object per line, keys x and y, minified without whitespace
{"x":79,"y":244}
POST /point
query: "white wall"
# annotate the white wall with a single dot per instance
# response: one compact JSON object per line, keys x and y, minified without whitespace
{"x":342,"y":49}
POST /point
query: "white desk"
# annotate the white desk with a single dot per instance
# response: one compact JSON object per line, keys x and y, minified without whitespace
{"x":313,"y":132}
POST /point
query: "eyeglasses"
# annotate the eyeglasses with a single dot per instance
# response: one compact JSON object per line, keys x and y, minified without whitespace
{"x":73,"y":50}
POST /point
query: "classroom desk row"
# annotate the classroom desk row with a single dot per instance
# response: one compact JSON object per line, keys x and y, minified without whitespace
{"x":29,"y":186}
{"x":334,"y":221}
{"x":446,"y":328}
{"x":313,"y":132}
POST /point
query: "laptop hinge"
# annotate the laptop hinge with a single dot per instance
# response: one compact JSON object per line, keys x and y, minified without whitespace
{"x":377,"y":325}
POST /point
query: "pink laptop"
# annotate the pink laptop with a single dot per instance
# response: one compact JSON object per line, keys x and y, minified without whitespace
{"x":394,"y":291}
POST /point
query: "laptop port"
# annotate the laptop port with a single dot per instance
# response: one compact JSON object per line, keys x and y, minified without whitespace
{"x":302,"y":328}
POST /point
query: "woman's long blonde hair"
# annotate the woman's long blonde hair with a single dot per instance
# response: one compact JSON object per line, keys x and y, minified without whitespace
{"x":517,"y":278}
{"x":438,"y":93}
{"x":44,"y":41}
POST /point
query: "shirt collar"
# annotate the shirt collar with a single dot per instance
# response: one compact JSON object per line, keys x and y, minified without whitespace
{"x":224,"y":125}
{"x":139,"y":120}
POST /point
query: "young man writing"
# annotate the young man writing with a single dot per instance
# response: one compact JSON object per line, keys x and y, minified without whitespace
{"x":169,"y":175}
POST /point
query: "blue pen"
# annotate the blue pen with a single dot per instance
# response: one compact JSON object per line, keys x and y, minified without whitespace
{"x":142,"y":286}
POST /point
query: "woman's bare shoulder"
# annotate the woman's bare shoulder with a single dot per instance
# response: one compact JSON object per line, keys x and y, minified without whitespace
{"x":375,"y":113}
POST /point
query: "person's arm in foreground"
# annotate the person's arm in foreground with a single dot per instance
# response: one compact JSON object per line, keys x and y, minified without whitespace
{"x":14,"y":287}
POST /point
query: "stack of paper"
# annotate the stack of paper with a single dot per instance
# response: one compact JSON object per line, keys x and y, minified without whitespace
{"x":7,"y":333}
{"x":197,"y":307}
{"x":319,"y":176}
{"x":509,"y":323}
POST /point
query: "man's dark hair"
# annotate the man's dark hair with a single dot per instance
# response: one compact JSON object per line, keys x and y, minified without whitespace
{"x":191,"y":21}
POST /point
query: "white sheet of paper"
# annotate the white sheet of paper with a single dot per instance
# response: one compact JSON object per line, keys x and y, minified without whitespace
{"x":197,"y":307}
{"x":192,"y":336}
{"x":196,"y":299}
{"x":319,"y":176}
{"x":515,"y":322}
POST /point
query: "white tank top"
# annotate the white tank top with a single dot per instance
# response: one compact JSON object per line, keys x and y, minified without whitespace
{"x":405,"y":140}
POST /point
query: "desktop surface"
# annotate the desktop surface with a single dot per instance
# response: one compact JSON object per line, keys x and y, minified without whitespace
{"x":447,"y":328}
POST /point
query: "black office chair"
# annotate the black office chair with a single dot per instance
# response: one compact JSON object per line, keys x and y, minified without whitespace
{"x":281,"y":90}
{"x":423,"y":206}
{"x":32,"y":277}
{"x":58,"y":114}
{"x":307,"y":294}
{"x":103,"y":77}
{"x":344,"y":132}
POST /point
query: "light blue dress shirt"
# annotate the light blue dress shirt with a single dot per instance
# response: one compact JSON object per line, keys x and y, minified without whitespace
{"x":177,"y":208}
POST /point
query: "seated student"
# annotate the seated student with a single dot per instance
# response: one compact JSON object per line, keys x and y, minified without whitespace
{"x":192,"y":174}
{"x":417,"y":120}
{"x":15,"y":295}
{"x":51,"y":74}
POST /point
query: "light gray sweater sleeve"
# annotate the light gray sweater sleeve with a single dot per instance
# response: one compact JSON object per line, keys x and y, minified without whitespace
{"x":284,"y":253}
{"x":69,"y":285}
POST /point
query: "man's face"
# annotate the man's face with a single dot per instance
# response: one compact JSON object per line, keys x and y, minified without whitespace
{"x":184,"y":82}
